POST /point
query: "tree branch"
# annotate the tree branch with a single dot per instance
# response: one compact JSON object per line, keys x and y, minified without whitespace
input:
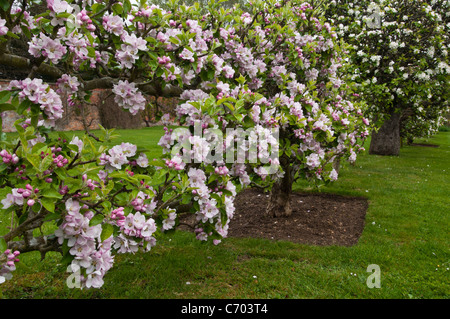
{"x":19,"y":62}
{"x":43,"y":244}
{"x":150,"y":88}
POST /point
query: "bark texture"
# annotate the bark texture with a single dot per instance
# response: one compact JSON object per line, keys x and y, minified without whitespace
{"x":387,"y":140}
{"x":279,"y":204}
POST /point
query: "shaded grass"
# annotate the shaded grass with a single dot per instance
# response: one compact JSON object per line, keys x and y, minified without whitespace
{"x":406,"y":234}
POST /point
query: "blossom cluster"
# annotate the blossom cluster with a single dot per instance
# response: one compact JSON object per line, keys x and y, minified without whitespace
{"x":128,"y":96}
{"x":19,"y":196}
{"x":208,"y":208}
{"x":52,"y":49}
{"x":122,"y":155}
{"x":68,"y":84}
{"x":90,"y":254}
{"x":38,"y":92}
{"x":144,"y":203}
{"x":3,"y":27}
{"x":128,"y":53}
{"x":9,"y":264}
{"x":136,"y":231}
{"x":137,"y":225}
{"x":7,"y":158}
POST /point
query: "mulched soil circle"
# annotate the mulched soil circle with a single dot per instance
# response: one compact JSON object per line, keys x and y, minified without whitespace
{"x":424,"y":145}
{"x":317,"y":219}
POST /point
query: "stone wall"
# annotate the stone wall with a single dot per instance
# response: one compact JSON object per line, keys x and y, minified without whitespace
{"x":102,"y":110}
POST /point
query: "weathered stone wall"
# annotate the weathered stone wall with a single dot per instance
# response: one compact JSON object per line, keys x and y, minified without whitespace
{"x":102,"y":110}
{"x":72,"y":119}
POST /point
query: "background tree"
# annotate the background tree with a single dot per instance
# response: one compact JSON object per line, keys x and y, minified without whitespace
{"x":399,"y":50}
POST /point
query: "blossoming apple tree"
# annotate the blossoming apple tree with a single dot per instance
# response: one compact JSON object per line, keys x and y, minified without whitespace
{"x":274,"y":75}
{"x":399,"y":58}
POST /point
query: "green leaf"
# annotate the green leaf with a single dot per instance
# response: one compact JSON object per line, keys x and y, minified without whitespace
{"x":227,"y":192}
{"x":12,"y":35}
{"x":67,"y":259}
{"x":4,"y":4}
{"x":107,"y":231}
{"x":91,"y":52}
{"x":25,"y":104}
{"x":117,"y":8}
{"x":186,"y":198}
{"x":239,"y":104}
{"x":64,"y":15}
{"x":39,"y":147}
{"x":108,"y":188}
{"x":96,"y":7}
{"x":241,"y":80}
{"x":96,"y":220}
{"x":5,"y":96}
{"x":34,"y":160}
{"x":216,"y":197}
{"x":3,"y":245}
{"x":106,"y":205}
{"x":53,"y":216}
{"x":48,"y":204}
{"x":127,"y":6}
{"x":45,"y":163}
{"x":36,"y":207}
{"x":52,"y":193}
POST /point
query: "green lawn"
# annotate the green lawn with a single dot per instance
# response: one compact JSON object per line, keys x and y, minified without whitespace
{"x":406,"y":235}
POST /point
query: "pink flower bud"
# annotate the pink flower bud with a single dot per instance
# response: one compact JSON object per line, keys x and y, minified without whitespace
{"x":26,"y":193}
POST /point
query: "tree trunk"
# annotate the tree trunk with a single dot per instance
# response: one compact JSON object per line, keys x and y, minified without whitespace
{"x":279,"y":201}
{"x":337,"y":165}
{"x":387,"y":140}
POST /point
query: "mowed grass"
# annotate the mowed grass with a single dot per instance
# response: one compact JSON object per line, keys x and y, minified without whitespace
{"x":406,"y":235}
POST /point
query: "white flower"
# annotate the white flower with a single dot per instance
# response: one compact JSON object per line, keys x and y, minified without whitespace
{"x":78,"y":142}
{"x":142,"y":160}
{"x":8,"y":201}
{"x":393,"y":45}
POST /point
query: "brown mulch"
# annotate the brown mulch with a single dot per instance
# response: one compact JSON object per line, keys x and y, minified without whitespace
{"x":317,"y":219}
{"x":424,"y":145}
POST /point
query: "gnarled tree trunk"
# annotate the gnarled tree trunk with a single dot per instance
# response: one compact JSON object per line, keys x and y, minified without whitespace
{"x":279,"y":200}
{"x":387,"y":140}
